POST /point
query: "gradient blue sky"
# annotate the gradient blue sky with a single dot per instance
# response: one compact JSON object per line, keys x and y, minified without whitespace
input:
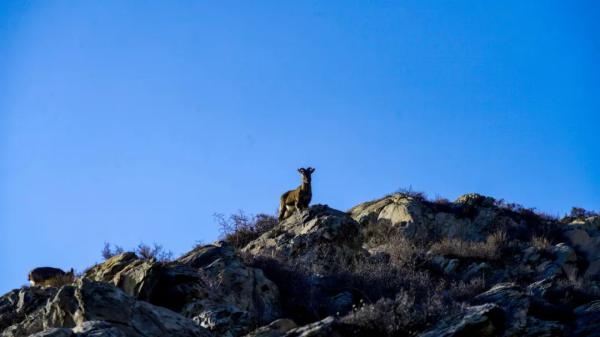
{"x":130,"y":121}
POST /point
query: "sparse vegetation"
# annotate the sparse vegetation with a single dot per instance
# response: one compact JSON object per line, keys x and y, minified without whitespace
{"x":156,"y":252}
{"x":394,"y":290}
{"x":109,"y":251}
{"x":144,"y":251}
{"x":491,"y":249}
{"x":409,"y":192}
{"x":240,"y":228}
{"x":578,"y":213}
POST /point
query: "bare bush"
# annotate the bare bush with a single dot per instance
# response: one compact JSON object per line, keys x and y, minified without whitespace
{"x":491,"y":249}
{"x":579,"y":213}
{"x":155,"y":252}
{"x":108,"y":251}
{"x":409,"y":192}
{"x":402,"y":251}
{"x":239,"y":228}
{"x":402,"y":315}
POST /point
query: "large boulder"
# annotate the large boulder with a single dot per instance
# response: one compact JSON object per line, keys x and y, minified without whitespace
{"x":584,"y":236}
{"x":471,"y":217}
{"x":319,"y":237}
{"x":135,"y":276}
{"x":233,"y":297}
{"x":515,"y":303}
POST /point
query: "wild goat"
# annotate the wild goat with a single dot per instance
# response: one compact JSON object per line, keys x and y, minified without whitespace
{"x":50,"y":277}
{"x":299,"y":198}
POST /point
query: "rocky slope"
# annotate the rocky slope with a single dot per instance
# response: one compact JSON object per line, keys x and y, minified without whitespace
{"x":397,"y":266}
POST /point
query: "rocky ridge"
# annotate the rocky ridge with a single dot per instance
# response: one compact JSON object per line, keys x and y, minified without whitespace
{"x":397,"y":266}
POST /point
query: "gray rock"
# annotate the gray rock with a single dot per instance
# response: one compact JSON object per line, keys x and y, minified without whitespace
{"x":276,"y":329}
{"x":476,"y":270}
{"x":416,"y":219}
{"x":102,"y":302}
{"x":101,"y":329}
{"x":238,"y":296}
{"x":322,"y":328}
{"x":136,"y":277}
{"x":451,"y":266}
{"x":21,"y":311}
{"x":482,"y":320}
{"x":541,"y":328}
{"x":210,"y":284}
{"x":515,"y":303}
{"x":56,"y":332}
{"x":319,"y":237}
{"x":588,"y":319}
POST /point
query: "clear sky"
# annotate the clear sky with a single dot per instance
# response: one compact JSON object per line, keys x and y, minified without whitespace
{"x":131,"y":121}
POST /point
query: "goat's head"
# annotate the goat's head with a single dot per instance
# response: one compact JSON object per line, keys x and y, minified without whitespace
{"x":306,"y":173}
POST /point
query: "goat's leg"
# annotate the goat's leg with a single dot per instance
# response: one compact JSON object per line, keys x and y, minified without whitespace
{"x":282,"y":210}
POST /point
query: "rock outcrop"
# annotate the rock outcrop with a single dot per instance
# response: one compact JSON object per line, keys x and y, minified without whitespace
{"x":470,"y":217}
{"x":90,"y":308}
{"x":397,"y":266}
{"x":210,"y":285}
{"x":320,"y":237}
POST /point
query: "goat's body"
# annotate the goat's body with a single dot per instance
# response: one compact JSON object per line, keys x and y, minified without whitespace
{"x":296,"y":200}
{"x":50,"y":277}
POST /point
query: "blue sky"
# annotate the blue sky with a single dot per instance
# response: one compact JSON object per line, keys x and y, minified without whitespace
{"x":129,"y":121}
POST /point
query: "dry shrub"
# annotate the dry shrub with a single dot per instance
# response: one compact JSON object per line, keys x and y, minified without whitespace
{"x":540,"y":242}
{"x":154,"y":252}
{"x":491,"y":249}
{"x":401,"y":251}
{"x":239,"y":229}
{"x":143,"y":251}
{"x":403,"y":315}
{"x":109,"y":251}
{"x":409,"y":192}
{"x":464,"y":291}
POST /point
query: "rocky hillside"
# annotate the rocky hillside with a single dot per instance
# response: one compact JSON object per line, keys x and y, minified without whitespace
{"x":397,"y":266}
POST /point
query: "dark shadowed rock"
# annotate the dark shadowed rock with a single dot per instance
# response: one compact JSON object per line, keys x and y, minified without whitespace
{"x":482,"y":320}
{"x":588,"y":319}
{"x":56,"y":332}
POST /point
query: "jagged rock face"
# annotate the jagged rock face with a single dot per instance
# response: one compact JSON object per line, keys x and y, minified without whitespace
{"x":470,"y":217}
{"x":210,"y":284}
{"x":135,"y":276}
{"x":91,"y":308}
{"x":545,"y":289}
{"x":584,"y":236}
{"x":239,"y":296}
{"x":21,"y":310}
{"x":320,"y":237}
